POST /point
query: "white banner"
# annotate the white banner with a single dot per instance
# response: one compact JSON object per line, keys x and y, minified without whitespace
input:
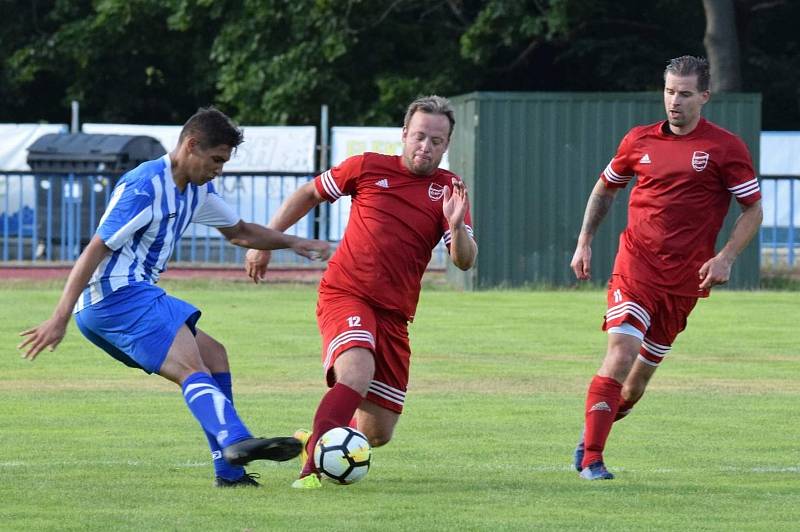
{"x":265,"y":148}
{"x":349,"y":141}
{"x":780,"y":156}
{"x":16,"y":192}
{"x":780,"y":153}
{"x":14,"y":142}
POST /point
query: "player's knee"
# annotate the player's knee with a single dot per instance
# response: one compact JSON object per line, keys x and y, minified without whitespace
{"x":213,"y":354}
{"x":177,"y":369}
{"x":380,"y":438}
{"x":632,"y":392}
{"x":359,"y":385}
{"x":215,"y":349}
{"x":355,"y":378}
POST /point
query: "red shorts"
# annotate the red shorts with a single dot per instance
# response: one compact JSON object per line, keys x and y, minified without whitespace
{"x":657,"y":315}
{"x":346,"y":321}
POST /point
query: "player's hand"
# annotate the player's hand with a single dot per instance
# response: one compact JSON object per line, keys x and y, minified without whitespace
{"x":312,"y":249}
{"x":255,"y":263}
{"x":48,"y":334}
{"x":581,"y":262}
{"x":455,"y":203}
{"x":714,"y":271}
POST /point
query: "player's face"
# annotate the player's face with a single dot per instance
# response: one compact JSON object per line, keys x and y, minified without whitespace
{"x":205,"y":165}
{"x":424,"y":142}
{"x":683,"y":102}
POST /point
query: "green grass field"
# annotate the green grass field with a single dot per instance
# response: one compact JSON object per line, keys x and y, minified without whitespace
{"x":492,"y":416}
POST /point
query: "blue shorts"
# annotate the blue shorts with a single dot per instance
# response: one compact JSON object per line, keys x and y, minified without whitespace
{"x":137,"y":324}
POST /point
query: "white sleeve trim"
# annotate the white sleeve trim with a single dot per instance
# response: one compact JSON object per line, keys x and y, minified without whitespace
{"x":614,"y":177}
{"x":448,"y":235}
{"x":330,"y":186}
{"x":745,"y":189}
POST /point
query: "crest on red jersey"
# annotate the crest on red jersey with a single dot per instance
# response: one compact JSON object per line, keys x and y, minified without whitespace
{"x":699,"y":161}
{"x":435,"y":191}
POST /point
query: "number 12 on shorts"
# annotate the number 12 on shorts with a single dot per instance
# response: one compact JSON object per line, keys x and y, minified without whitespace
{"x":354,"y":321}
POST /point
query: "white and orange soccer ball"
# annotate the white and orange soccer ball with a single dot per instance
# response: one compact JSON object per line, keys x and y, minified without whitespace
{"x":343,"y":455}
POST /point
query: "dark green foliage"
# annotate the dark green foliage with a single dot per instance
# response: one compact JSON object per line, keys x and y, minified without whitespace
{"x":277,"y":61}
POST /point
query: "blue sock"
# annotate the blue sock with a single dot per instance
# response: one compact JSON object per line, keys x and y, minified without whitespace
{"x":222,"y":468}
{"x":213,"y":410}
{"x":225,"y":384}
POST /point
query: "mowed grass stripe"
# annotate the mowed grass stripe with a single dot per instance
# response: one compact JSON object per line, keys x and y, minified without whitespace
{"x":493,"y":412}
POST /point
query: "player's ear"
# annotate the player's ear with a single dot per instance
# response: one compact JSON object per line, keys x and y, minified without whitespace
{"x":192,"y":145}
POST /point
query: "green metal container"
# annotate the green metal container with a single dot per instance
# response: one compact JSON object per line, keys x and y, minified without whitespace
{"x":530,"y":161}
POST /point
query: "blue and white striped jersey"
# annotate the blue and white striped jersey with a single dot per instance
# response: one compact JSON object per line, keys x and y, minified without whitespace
{"x":145,"y":217}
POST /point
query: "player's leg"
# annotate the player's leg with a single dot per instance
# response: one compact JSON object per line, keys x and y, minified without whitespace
{"x":634,"y":386}
{"x":665,"y":326}
{"x":213,"y":410}
{"x":379,"y":413}
{"x":348,"y":327}
{"x":632,"y":390}
{"x":353,"y":370}
{"x":376,"y":422}
{"x":626,"y":321}
{"x":144,"y":328}
{"x":605,"y":391}
{"x":215,"y":358}
{"x":184,"y":366}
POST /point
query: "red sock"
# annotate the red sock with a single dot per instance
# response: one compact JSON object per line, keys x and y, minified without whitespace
{"x":602,"y":402}
{"x":335,"y":410}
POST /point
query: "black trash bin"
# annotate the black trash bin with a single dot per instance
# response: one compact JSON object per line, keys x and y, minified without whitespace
{"x":75,"y":173}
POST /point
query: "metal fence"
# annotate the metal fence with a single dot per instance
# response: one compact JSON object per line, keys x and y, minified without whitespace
{"x":780,"y":230}
{"x":50,"y":218}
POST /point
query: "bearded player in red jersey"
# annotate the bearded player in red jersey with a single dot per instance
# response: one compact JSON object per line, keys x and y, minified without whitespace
{"x":686,"y":170}
{"x":402,"y":206}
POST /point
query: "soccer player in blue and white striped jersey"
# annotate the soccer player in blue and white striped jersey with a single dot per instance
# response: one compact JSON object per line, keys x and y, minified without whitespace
{"x":112,"y":287}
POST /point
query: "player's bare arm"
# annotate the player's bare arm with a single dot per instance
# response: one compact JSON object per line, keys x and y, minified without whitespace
{"x":250,"y":235}
{"x":717,"y":270}
{"x":50,"y":332}
{"x":598,"y":205}
{"x":463,"y":248}
{"x":295,"y":207}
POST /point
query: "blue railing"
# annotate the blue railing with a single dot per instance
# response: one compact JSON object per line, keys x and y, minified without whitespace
{"x":50,"y":217}
{"x":780,"y":230}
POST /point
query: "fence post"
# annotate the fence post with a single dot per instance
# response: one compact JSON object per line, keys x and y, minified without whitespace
{"x":323,"y":209}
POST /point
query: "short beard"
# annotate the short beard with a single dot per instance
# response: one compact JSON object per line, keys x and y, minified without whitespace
{"x":428,"y":169}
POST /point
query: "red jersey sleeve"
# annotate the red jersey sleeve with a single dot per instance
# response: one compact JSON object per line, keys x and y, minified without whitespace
{"x":620,"y":170}
{"x":340,"y":180}
{"x":738,"y":174}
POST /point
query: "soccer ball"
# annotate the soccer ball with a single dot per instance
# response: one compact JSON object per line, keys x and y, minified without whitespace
{"x":343,"y":454}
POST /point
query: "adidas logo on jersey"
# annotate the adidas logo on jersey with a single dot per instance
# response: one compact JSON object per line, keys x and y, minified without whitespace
{"x":645,"y":159}
{"x":602,"y":405}
{"x":383,"y":183}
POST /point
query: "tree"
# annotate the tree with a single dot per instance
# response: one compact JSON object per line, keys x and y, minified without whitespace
{"x":120,"y":58}
{"x":722,"y":45}
{"x":278,"y":61}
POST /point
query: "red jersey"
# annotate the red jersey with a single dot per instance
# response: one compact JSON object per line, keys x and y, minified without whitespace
{"x":395,"y":222}
{"x":683,"y":188}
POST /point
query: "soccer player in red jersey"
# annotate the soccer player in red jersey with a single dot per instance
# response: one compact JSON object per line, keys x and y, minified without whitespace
{"x":686,"y":171}
{"x":402,"y":206}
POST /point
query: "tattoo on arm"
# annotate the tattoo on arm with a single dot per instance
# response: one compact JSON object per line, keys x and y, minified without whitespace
{"x":596,"y":209}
